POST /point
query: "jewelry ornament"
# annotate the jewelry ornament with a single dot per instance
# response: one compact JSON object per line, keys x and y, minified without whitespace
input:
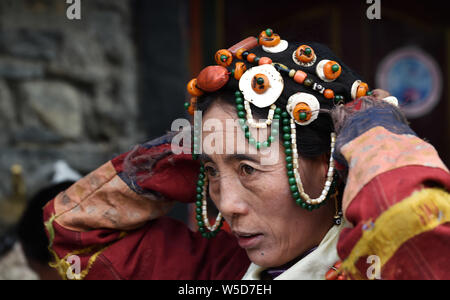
{"x":259,"y":93}
{"x":304,"y":56}
{"x":328,"y":70}
{"x":303,"y":108}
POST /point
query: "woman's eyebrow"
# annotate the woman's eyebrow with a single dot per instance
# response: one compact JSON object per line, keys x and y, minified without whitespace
{"x":239,"y":157}
{"x":204,"y":157}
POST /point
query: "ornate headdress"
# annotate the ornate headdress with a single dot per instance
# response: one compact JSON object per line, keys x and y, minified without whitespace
{"x":261,"y":71}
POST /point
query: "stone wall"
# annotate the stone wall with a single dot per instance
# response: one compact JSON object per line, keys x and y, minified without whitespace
{"x":67,"y":87}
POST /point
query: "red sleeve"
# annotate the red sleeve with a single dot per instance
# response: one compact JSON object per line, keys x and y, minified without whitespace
{"x":162,"y":249}
{"x":398,"y":205}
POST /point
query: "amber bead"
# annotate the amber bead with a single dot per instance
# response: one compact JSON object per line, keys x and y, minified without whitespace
{"x":305,"y":54}
{"x":265,"y":61}
{"x":260,"y":83}
{"x":362,"y":90}
{"x":332,"y":70}
{"x":192,"y":88}
{"x":302,"y":108}
{"x":251,"y":57}
{"x":239,"y":69}
{"x":239,"y":53}
{"x":191,"y":108}
{"x":269,"y":41}
{"x":223,"y":58}
{"x":329,"y":94}
{"x":300,"y":76}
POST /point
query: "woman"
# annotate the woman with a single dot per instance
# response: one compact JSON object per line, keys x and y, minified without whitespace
{"x":277,"y":189}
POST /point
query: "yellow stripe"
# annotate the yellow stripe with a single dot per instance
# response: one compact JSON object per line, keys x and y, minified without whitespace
{"x":423,"y":211}
{"x":63,"y":267}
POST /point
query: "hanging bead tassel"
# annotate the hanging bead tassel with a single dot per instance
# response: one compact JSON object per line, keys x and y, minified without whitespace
{"x":246,"y":119}
{"x":290,"y":144}
{"x":202,"y":211}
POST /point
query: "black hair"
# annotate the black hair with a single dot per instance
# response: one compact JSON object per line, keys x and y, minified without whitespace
{"x":30,"y":229}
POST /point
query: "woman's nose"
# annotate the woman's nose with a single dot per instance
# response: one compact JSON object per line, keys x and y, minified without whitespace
{"x":232,"y":199}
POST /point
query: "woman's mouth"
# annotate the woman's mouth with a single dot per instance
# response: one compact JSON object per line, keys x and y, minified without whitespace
{"x":248,"y":240}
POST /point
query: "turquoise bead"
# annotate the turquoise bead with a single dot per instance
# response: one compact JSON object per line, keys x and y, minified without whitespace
{"x":241,"y":114}
{"x":290,"y":173}
{"x":200,"y":183}
{"x":240,"y":107}
{"x":293,"y":188}
{"x":199,"y":197}
{"x":241,"y":122}
{"x":288,"y":159}
{"x":290,"y":167}
{"x":286,"y":129}
{"x":258,"y":145}
{"x":292,"y":181}
{"x":239,"y":100}
{"x":186,"y":105}
{"x":284,"y":114}
{"x":199,"y":217}
{"x":199,"y":203}
{"x":247,"y":134}
{"x":244,"y":128}
{"x":271,"y":139}
{"x":278,"y":110}
{"x":238,"y":94}
{"x":276,"y":116}
{"x":288,"y":151}
{"x":199,"y":190}
{"x":200,"y":223}
{"x":287,"y":144}
{"x":296,"y":195}
{"x":252,"y":141}
{"x":266,"y":144}
{"x":298,"y":202}
{"x":286,"y":122}
{"x":269,"y":32}
{"x":335,"y":68}
{"x":286,"y":137}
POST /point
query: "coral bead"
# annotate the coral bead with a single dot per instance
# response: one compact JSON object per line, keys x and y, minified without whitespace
{"x":212,"y":78}
{"x":251,"y":57}
{"x":300,"y":76}
{"x":329,"y":94}
{"x":192,"y":88}
{"x":264,"y":61}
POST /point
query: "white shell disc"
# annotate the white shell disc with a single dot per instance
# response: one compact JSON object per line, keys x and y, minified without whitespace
{"x":355,"y":88}
{"x":319,"y":70}
{"x":391,"y":100}
{"x":309,"y":99}
{"x":276,"y":85}
{"x":283,"y":45}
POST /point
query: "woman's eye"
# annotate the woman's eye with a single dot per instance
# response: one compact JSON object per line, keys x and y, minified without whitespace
{"x":210,"y":171}
{"x":247,"y":170}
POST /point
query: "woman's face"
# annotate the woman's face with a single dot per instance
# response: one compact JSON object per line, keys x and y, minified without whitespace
{"x":254,"y":196}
